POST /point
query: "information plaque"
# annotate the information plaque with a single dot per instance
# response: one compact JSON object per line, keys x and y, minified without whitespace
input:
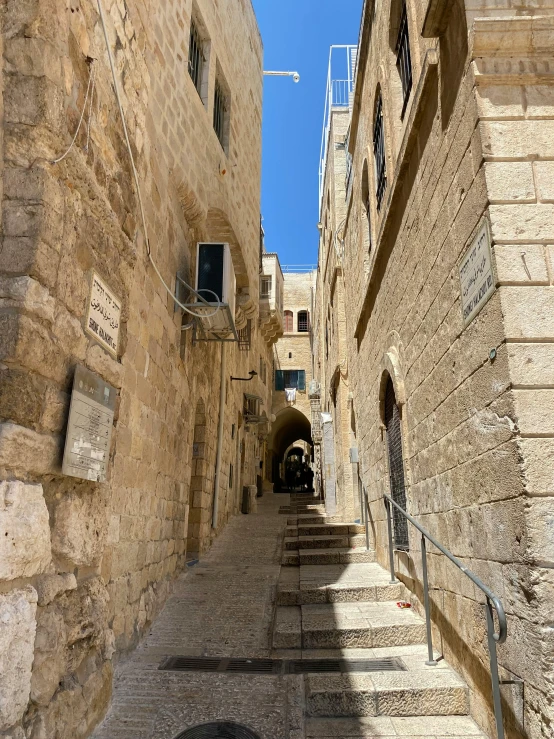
{"x":476,"y":275}
{"x":89,"y":429}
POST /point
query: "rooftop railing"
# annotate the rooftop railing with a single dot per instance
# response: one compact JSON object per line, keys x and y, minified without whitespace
{"x":339,"y":94}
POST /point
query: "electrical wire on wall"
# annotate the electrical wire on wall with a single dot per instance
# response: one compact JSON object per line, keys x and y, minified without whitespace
{"x":137,"y":184}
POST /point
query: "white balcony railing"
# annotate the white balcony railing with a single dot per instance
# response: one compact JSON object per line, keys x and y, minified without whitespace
{"x":340,"y":90}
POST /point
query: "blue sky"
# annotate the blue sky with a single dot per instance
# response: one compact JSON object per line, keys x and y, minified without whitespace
{"x":297,"y":35}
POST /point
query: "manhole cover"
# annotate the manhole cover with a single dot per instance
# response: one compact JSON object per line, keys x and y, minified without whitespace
{"x":218,"y":730}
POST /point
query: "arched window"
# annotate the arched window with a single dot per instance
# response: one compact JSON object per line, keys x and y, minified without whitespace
{"x":303,"y":321}
{"x":289,"y":322}
{"x":396,"y":466}
{"x":366,"y":204}
{"x":379,"y":150}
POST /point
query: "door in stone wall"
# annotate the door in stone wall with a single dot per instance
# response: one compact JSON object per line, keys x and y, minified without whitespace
{"x":396,"y":466}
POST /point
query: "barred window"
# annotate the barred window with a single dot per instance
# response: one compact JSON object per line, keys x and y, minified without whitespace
{"x":403,"y":57}
{"x":266,"y":287}
{"x":366,"y":203}
{"x":196,"y":56}
{"x":379,"y":151}
{"x":303,"y":321}
{"x":221,"y":108}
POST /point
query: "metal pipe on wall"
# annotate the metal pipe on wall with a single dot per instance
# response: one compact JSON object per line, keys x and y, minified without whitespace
{"x":219,"y":451}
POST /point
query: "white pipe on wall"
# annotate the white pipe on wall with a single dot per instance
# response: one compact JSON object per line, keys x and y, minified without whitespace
{"x":219,"y":452}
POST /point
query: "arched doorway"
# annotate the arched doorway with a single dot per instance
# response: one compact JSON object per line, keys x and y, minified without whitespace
{"x":396,"y":465}
{"x":290,"y":426}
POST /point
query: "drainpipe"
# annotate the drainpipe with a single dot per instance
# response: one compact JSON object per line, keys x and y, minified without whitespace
{"x":219,"y":452}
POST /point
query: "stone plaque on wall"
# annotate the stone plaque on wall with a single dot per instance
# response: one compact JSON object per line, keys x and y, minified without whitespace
{"x":476,"y":275}
{"x":103,"y":314}
{"x":89,"y":428}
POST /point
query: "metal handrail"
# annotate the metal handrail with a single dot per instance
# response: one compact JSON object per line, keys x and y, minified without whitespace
{"x":493,"y":602}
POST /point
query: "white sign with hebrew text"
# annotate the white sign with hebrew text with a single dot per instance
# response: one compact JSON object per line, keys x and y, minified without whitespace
{"x":103,"y":314}
{"x":476,"y":275}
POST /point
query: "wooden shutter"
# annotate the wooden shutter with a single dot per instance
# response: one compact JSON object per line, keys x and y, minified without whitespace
{"x":279,"y":380}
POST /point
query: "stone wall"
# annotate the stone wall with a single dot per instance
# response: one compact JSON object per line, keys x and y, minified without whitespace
{"x":297,"y":292}
{"x":472,"y":144}
{"x":331,"y":320}
{"x":86,"y":566}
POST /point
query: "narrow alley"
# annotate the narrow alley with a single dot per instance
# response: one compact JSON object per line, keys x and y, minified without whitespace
{"x":276,"y":442}
{"x":328,"y":609}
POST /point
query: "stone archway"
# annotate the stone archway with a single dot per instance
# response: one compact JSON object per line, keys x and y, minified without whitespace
{"x":290,"y":426}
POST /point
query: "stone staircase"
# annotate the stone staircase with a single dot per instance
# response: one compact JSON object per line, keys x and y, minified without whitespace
{"x":335,"y":602}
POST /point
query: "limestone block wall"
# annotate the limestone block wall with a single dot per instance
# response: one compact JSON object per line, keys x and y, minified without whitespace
{"x":88,"y":565}
{"x":297,"y":292}
{"x":333,"y":330}
{"x":476,"y":424}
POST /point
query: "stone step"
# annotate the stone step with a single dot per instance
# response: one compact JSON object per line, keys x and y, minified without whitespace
{"x":325,"y":542}
{"x":428,"y":692}
{"x":301,"y":519}
{"x":324,"y":529}
{"x":290,"y":558}
{"x":287,"y":628}
{"x":335,"y":556}
{"x":384,"y":727}
{"x":368,"y":625}
{"x":337,"y":583}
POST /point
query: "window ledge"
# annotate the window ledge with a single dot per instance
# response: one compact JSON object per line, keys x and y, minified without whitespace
{"x":430,"y":66}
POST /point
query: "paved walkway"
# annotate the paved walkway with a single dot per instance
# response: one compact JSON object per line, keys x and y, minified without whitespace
{"x":224,"y":606}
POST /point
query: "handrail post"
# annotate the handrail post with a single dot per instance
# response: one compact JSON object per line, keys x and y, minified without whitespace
{"x":366,"y":516}
{"x":391,"y":550}
{"x":497,"y":702}
{"x":431,"y":661}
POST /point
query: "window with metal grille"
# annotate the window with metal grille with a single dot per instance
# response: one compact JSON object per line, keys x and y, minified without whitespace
{"x":251,"y":408}
{"x":379,"y":151}
{"x":289,"y":321}
{"x":403,"y":57}
{"x":366,"y":202}
{"x":290,"y":379}
{"x":245,"y":335}
{"x":303,"y":321}
{"x":349,"y":166}
{"x":266,"y":287}
{"x":396,"y":466}
{"x":220,"y":114}
{"x":196,"y":56}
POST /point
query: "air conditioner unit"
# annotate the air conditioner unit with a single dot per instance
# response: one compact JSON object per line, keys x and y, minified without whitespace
{"x":215,"y":272}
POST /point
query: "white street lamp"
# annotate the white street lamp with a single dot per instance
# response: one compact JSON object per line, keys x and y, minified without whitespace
{"x":295,"y":76}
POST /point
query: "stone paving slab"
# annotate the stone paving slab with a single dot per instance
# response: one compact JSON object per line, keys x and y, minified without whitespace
{"x":224,"y":606}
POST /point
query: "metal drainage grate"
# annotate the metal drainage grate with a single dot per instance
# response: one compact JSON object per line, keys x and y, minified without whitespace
{"x":218,"y":730}
{"x":280,"y":666}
